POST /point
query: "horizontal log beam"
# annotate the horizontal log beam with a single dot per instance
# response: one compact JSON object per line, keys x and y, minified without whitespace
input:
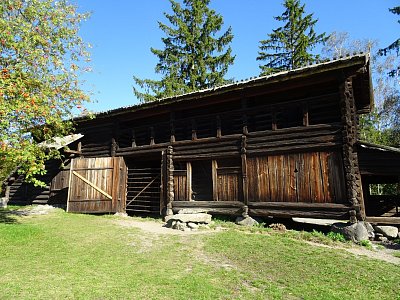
{"x":295,"y":142}
{"x":207,"y":155}
{"x":295,"y":148}
{"x":384,"y":220}
{"x":310,"y":128}
{"x":302,"y":205}
{"x":291,"y":213}
{"x":207,"y":204}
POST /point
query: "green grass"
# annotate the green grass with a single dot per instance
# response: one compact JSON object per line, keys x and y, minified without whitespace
{"x":71,"y":256}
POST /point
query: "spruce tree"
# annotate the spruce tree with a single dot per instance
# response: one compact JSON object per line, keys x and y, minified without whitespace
{"x":288,"y":47}
{"x":395,"y":46}
{"x":194,"y":56}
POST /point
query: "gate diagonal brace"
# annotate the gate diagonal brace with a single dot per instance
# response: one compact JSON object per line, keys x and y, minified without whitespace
{"x":92,"y":185}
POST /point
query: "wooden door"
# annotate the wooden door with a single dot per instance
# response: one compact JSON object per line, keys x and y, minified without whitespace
{"x":97,"y":185}
{"x":315,"y":177}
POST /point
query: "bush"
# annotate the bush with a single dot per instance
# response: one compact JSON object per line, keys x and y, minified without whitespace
{"x":336,"y":236}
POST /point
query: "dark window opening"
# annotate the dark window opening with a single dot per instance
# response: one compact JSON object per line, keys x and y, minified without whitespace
{"x":324,"y":111}
{"x":202,"y":185}
{"x":287,"y":117}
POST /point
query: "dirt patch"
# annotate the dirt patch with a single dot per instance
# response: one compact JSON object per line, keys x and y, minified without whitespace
{"x":156,"y":227}
{"x":33,"y":210}
{"x":383,"y":254}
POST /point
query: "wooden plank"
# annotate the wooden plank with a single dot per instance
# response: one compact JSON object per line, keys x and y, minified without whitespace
{"x":302,"y":206}
{"x":273,"y":177}
{"x":214,"y":167}
{"x":92,"y":185}
{"x":292,"y":177}
{"x":189,"y":181}
{"x":115,"y":182}
{"x":71,"y":168}
{"x":383,"y":220}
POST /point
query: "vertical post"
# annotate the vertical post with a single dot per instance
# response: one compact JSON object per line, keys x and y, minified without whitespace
{"x":214,"y":170}
{"x":114,"y":144}
{"x":219,"y":130}
{"x":152,"y":136}
{"x":274,"y":122}
{"x":194,"y":133}
{"x":163,"y":185}
{"x":350,"y":158}
{"x":189,"y":181}
{"x":133,"y":138}
{"x":245,"y":186}
{"x":244,"y":116}
{"x":172,"y":127}
{"x":305,"y":115}
{"x":114,"y":147}
{"x":69,"y":183}
{"x":115,"y":183}
{"x":170,"y":180}
{"x":79,"y":147}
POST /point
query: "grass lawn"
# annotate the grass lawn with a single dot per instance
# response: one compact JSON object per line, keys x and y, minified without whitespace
{"x":71,"y":256}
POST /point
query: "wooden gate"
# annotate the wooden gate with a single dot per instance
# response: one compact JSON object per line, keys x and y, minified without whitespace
{"x":143,"y":189}
{"x":97,"y":185}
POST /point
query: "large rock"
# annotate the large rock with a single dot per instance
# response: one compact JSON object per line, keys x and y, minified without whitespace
{"x":388,"y":231}
{"x":3,"y":202}
{"x":192,"y":211}
{"x":246,"y":221}
{"x":194,"y":218}
{"x":370,"y":229}
{"x":356,"y":232}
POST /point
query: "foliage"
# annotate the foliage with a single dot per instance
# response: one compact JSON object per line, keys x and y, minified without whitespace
{"x":366,"y":243}
{"x":290,"y":46}
{"x":41,"y":55}
{"x":336,"y":236}
{"x":6,"y":167}
{"x":395,"y":46}
{"x":194,"y":56}
{"x":379,"y":126}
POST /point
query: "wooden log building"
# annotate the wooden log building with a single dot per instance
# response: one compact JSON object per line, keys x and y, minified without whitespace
{"x":284,"y":145}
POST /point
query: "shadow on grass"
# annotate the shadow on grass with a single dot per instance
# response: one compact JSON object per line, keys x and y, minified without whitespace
{"x":7,"y":217}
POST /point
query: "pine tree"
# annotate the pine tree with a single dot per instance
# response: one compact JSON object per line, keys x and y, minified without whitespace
{"x":289,"y":47}
{"x":194,"y":57}
{"x":395,"y":46}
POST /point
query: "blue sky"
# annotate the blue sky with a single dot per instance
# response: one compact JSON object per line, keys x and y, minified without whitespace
{"x":122,"y":32}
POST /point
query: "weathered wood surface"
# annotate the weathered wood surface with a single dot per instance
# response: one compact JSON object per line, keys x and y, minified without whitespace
{"x":306,"y":210}
{"x":375,"y":162}
{"x":349,"y":134}
{"x":383,"y":220}
{"x":144,"y":186}
{"x":213,"y":207}
{"x":96,"y":185}
{"x":315,"y":177}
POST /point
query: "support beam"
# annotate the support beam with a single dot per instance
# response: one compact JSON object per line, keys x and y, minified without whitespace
{"x":350,"y":157}
{"x":114,"y":147}
{"x":245,"y":186}
{"x":194,"y":132}
{"x":133,"y":138}
{"x":219,"y":130}
{"x":152,"y":134}
{"x":169,"y":180}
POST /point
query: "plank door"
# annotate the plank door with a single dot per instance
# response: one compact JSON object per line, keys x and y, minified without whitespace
{"x":97,"y":185}
{"x":227,"y":180}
